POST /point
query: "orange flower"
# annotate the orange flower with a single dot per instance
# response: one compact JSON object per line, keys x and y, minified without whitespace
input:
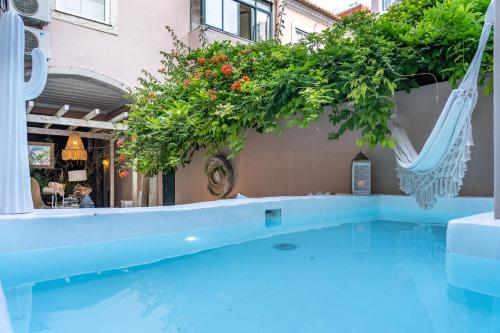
{"x":123,"y":173}
{"x":199,"y":75}
{"x":151,"y":95}
{"x":120,"y":142}
{"x":212,"y":94}
{"x":210,"y":73}
{"x":221,"y":58}
{"x":227,"y":69}
{"x":121,"y":158}
{"x":236,"y":86}
{"x":212,"y":61}
{"x":187,"y":82}
{"x":245,"y":78}
{"x":201,"y":61}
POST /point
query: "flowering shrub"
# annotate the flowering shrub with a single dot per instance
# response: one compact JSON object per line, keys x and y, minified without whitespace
{"x":211,"y":97}
{"x":236,"y":86}
{"x":120,"y":142}
{"x":227,"y":69}
{"x":123,"y":173}
{"x":121,"y":158}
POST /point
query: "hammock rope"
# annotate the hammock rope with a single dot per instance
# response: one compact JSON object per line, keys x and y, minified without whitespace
{"x":440,"y":167}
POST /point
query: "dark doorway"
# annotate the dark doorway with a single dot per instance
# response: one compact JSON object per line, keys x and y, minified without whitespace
{"x":169,"y":188}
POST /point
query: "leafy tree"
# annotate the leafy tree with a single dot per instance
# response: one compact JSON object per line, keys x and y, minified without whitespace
{"x":209,"y":98}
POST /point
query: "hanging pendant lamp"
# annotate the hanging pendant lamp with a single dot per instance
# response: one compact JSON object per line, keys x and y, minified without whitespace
{"x":74,"y":151}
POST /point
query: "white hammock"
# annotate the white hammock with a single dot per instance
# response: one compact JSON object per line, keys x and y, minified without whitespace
{"x":439,"y":168}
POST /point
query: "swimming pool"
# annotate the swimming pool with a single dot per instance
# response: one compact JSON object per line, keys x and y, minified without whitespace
{"x":363,"y":277}
{"x":337,"y":264}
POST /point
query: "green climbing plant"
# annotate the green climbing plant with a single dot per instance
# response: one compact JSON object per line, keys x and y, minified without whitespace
{"x":209,"y":98}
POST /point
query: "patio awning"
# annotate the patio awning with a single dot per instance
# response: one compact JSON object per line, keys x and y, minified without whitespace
{"x":83,"y":90}
{"x":82,"y":101}
{"x":78,"y":99}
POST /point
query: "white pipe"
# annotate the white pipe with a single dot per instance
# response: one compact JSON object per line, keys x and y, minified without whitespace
{"x":496,"y":117}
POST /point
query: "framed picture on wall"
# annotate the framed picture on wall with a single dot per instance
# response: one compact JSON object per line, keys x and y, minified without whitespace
{"x":41,"y":155}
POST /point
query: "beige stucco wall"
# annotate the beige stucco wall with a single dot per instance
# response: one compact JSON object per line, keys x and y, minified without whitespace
{"x":295,"y":18}
{"x":140,"y":35}
{"x":302,"y":160}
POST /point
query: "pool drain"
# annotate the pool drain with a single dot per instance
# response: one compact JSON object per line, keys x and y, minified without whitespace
{"x":286,"y":246}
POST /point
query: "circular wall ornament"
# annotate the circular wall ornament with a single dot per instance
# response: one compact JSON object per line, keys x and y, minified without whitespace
{"x":220,"y":176}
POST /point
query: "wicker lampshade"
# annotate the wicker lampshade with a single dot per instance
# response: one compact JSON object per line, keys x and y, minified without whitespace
{"x":74,"y":151}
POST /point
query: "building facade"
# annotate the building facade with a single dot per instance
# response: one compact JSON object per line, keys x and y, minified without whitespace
{"x":97,"y":49}
{"x":302,"y":18}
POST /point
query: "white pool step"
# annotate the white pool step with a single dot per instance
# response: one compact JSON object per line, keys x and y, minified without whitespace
{"x":473,"y":259}
{"x":5,"y":326}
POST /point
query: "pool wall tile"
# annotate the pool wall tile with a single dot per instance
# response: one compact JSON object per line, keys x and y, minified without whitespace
{"x":54,"y":244}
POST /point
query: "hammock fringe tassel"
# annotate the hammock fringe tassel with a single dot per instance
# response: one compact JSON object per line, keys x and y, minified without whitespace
{"x":445,"y":181}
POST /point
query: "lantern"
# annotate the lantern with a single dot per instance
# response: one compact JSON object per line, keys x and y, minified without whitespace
{"x":74,"y":151}
{"x":361,"y":175}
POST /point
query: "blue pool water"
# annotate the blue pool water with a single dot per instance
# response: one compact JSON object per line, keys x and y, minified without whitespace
{"x":368,"y":277}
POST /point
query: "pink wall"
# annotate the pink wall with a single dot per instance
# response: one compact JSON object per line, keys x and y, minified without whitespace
{"x":141,"y":35}
{"x":376,"y":7}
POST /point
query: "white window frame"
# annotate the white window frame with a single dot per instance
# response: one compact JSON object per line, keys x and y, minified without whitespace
{"x":384,"y":8}
{"x":253,"y":4}
{"x":107,"y":12}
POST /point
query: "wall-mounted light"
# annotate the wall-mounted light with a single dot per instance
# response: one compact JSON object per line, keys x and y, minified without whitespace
{"x":105,"y":163}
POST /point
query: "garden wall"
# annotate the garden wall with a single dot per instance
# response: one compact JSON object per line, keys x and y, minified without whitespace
{"x":301,"y":161}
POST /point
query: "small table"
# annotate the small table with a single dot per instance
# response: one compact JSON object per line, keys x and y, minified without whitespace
{"x":53,"y":197}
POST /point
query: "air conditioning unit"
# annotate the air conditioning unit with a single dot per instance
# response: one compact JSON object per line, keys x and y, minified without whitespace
{"x":34,"y":38}
{"x":35,"y":12}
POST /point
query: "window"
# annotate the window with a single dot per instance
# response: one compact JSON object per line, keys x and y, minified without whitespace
{"x":249,"y":19}
{"x":246,"y":22}
{"x":300,"y":34}
{"x":263,"y":26}
{"x":231,"y":16}
{"x":195,"y":14}
{"x":96,"y":10}
{"x":213,"y":13}
{"x":388,"y":3}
